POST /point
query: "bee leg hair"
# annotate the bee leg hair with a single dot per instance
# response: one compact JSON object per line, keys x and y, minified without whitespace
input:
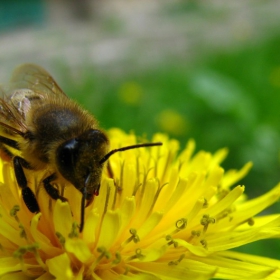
{"x":50,"y":189}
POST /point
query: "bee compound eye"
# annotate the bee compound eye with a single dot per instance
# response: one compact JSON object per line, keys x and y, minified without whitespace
{"x":66,"y":156}
{"x":95,"y":138}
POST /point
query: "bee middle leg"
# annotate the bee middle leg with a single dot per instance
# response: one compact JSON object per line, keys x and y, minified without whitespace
{"x":28,"y":196}
{"x":50,"y":189}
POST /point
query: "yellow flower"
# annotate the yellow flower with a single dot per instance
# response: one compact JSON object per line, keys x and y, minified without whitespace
{"x":172,"y":122}
{"x":131,"y":93}
{"x":159,"y":215}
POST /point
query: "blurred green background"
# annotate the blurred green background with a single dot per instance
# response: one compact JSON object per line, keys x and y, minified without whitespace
{"x":208,"y":71}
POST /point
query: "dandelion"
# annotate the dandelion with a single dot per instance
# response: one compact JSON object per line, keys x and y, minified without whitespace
{"x":160,"y":214}
{"x":172,"y":122}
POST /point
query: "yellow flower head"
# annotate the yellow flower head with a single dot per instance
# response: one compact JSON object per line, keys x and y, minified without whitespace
{"x":159,"y":215}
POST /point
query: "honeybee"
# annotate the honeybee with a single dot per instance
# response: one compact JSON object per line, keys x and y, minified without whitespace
{"x":52,"y":131}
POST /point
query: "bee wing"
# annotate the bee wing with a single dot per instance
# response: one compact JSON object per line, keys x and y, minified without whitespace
{"x":10,"y":118}
{"x":27,"y":81}
{"x":35,"y":78}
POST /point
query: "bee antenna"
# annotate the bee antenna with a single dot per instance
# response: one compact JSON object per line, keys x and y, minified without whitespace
{"x":105,"y":158}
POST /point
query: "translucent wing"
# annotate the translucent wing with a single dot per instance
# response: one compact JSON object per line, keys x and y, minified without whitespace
{"x":34,"y":77}
{"x":29,"y":83}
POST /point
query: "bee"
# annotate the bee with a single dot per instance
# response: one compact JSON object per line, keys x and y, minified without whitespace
{"x":52,"y":132}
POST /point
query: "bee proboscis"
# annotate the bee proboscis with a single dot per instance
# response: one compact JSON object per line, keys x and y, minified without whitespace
{"x":52,"y":131}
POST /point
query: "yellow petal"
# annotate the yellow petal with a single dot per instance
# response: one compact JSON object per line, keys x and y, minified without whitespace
{"x":214,"y":177}
{"x":110,"y":229}
{"x":225,"y":202}
{"x":182,"y":270}
{"x":62,"y":218}
{"x":60,"y":267}
{"x":256,"y":205}
{"x":233,"y":176}
{"x":196,"y":250}
{"x":177,"y":194}
{"x":127,"y":210}
{"x":9,"y":264}
{"x":234,"y":267}
{"x":46,"y":276}
{"x":128,"y":176}
{"x":149,"y":224}
{"x":91,"y":223}
{"x":78,"y":248}
{"x":147,"y":202}
{"x":154,"y":251}
{"x":17,"y":276}
{"x":219,"y":156}
{"x":10,"y":233}
{"x":45,"y":244}
{"x":231,"y":239}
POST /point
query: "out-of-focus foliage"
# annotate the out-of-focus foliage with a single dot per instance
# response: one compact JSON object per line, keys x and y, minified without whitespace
{"x":229,"y":99}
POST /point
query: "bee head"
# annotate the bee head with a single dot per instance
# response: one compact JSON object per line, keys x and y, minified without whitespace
{"x":79,"y":160}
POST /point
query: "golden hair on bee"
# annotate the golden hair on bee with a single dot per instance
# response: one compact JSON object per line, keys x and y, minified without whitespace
{"x":52,"y":131}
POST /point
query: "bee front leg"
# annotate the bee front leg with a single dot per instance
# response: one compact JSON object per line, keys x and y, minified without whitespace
{"x":27,"y":194}
{"x":50,"y":189}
